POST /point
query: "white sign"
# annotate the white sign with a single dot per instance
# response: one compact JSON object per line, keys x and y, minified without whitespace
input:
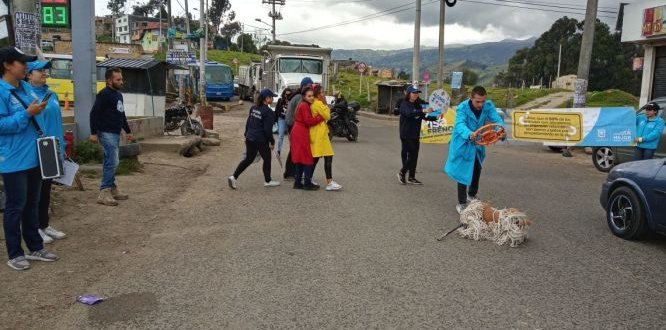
{"x":439,"y":100}
{"x":117,"y":50}
{"x":456,"y":80}
{"x":27,"y":31}
{"x":180,"y":57}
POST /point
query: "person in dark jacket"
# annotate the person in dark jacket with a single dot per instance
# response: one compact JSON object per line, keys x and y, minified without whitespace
{"x":258,"y":138}
{"x":107,"y":120}
{"x":411,"y":117}
{"x":280,"y":111}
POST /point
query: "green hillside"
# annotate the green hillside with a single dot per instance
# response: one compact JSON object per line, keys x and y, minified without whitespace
{"x":609,"y":98}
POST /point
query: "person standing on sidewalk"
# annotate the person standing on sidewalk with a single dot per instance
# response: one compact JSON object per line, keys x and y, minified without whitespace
{"x":649,"y":128}
{"x":300,"y":142}
{"x":295,"y":100}
{"x":19,"y":161}
{"x":411,"y":117}
{"x":52,"y":119}
{"x":465,"y":156}
{"x":320,"y":143}
{"x":107,"y":119}
{"x":258,"y":138}
{"x":280,"y":111}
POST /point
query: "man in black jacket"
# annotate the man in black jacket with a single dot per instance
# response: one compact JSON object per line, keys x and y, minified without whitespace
{"x":107,"y":119}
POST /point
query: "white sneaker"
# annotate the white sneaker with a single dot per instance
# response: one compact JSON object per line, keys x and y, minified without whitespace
{"x":233,"y":184}
{"x":54,"y":233}
{"x":333,"y":186}
{"x":46,"y":238}
{"x":461,"y":207}
{"x":271,"y":184}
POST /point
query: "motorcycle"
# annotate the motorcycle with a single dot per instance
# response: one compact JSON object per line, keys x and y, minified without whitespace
{"x":180,"y":116}
{"x":343,"y":120}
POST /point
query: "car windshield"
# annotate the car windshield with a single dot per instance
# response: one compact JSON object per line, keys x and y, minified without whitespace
{"x":61,"y":69}
{"x":297,"y":65}
{"x":218,"y":75}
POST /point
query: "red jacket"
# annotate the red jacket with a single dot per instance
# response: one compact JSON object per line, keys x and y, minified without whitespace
{"x":299,"y":138}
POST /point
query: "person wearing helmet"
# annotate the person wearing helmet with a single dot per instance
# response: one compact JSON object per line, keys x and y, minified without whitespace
{"x":649,"y":128}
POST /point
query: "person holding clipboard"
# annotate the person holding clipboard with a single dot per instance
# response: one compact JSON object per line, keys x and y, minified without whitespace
{"x":19,"y":163}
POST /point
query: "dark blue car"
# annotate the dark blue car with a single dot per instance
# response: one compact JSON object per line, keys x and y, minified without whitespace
{"x":634,"y":197}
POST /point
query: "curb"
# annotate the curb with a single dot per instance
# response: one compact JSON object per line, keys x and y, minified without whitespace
{"x":373,"y":115}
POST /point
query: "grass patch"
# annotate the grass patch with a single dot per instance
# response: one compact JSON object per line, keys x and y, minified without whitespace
{"x":87,"y":152}
{"x":609,"y":98}
{"x":90,"y":174}
{"x":227,"y":57}
{"x":128,"y":166}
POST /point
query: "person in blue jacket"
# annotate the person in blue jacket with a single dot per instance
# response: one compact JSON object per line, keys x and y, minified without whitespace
{"x":258,"y":138}
{"x":649,"y":128}
{"x":52,"y":126}
{"x":411,"y":117}
{"x":465,"y":157}
{"x":19,"y":162}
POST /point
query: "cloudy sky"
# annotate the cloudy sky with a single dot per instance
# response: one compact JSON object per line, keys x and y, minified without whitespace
{"x":389,"y":24}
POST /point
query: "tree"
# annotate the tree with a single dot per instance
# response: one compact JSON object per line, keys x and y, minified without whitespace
{"x":230,"y":31}
{"x":469,"y":77}
{"x":403,"y":75}
{"x":246,"y":43}
{"x":216,"y":13}
{"x":148,"y":9}
{"x":116,"y":7}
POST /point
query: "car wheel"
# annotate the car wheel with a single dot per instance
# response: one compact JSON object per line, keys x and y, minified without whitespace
{"x":603,"y":158}
{"x":555,"y":148}
{"x":624,"y":214}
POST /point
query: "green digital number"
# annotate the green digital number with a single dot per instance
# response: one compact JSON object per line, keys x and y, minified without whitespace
{"x":61,"y":15}
{"x":47,"y":15}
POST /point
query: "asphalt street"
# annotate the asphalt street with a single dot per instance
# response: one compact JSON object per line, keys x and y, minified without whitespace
{"x":367,"y":257}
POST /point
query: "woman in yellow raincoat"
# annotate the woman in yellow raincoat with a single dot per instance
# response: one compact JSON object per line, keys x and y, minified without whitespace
{"x":320,"y":143}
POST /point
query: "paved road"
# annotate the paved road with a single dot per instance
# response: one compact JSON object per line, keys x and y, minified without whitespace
{"x":367,"y":257}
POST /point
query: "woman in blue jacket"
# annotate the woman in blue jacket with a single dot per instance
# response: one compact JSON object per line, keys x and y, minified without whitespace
{"x":649,"y":128}
{"x":19,"y":163}
{"x":465,"y":157}
{"x":52,"y":126}
{"x":411,"y":117}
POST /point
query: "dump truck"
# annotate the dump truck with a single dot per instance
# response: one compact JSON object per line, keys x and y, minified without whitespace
{"x":285,"y":67}
{"x":249,"y":80}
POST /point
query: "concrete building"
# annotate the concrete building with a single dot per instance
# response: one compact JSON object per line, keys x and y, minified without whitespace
{"x":103,"y":25}
{"x":125,"y":26}
{"x":148,"y":35}
{"x":644,"y":23}
{"x":565,"y":82}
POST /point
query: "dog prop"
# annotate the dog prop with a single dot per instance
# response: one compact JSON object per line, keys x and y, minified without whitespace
{"x":481,"y":221}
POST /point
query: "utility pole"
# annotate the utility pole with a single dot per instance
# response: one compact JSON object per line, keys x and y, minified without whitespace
{"x":170,"y":23}
{"x":83,"y":45}
{"x":417,"y":42}
{"x":559,"y":61}
{"x":585,"y":58}
{"x":274,"y":14}
{"x":440,"y":66}
{"x":202,"y":55}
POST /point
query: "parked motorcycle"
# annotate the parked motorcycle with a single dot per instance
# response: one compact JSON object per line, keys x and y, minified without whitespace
{"x":180,"y":116}
{"x":343,"y":120}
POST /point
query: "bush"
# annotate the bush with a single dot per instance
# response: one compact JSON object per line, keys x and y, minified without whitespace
{"x":128,"y":166}
{"x":87,"y":152}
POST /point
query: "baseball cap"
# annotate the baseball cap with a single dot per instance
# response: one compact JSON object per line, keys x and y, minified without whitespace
{"x":413,"y":89}
{"x":652,"y":105}
{"x":11,"y":53}
{"x":38,"y":65}
{"x":266,"y":92}
{"x":306,"y":81}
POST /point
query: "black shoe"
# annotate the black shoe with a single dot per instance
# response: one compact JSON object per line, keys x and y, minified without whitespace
{"x":298,"y":186}
{"x":414,"y":181}
{"x":288,"y":178}
{"x":310,"y":187}
{"x":401,"y":178}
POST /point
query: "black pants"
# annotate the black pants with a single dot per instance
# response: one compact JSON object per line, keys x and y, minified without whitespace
{"x":252,"y":148}
{"x":410,"y":156}
{"x":474,"y":188}
{"x":44,"y":202}
{"x":289,"y":167}
{"x":641,"y":154}
{"x":328,"y":166}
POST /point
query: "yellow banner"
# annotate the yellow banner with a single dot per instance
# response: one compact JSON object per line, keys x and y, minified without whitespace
{"x":547,"y":126}
{"x":439,"y":131}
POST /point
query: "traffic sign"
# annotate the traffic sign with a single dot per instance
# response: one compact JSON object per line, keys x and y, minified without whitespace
{"x":456,"y":80}
{"x":361,"y":67}
{"x":426,"y":76}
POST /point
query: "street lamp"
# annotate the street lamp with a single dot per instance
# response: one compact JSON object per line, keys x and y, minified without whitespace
{"x":271,"y":26}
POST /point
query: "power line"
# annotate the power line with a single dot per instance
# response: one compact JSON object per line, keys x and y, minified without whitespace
{"x":551,"y":5}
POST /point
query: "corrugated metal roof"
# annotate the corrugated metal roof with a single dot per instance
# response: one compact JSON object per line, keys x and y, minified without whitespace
{"x":125,"y":63}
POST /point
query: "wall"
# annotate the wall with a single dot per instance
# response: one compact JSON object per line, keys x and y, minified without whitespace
{"x":142,"y":105}
{"x":142,"y":127}
{"x":632,"y":24}
{"x":101,"y":49}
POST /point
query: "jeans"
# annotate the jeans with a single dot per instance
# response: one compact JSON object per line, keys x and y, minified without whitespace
{"x":44,"y":203}
{"x":303,"y":172}
{"x":328,"y":166}
{"x":474,"y":188}
{"x":110,"y":143}
{"x":641,"y":154}
{"x":410,"y":156}
{"x":282,"y":131}
{"x":252,"y":148}
{"x":22,"y":211}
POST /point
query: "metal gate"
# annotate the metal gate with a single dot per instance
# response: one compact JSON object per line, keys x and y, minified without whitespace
{"x":659,"y":77}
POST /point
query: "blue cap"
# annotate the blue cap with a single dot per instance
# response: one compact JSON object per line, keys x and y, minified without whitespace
{"x":38,"y":65}
{"x":413,"y":89}
{"x":266,"y":93}
{"x":306,"y":81}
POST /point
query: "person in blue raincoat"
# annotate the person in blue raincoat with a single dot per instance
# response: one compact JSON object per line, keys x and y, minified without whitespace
{"x":465,"y":157}
{"x":649,"y":128}
{"x":51,"y":118}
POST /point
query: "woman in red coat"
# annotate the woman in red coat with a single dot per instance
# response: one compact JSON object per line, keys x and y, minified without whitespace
{"x":299,"y":138}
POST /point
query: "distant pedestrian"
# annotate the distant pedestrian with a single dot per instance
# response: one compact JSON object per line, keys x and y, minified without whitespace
{"x":289,"y":119}
{"x":465,"y":156}
{"x":649,"y":130}
{"x":19,"y":162}
{"x":299,"y":139}
{"x":258,"y":138}
{"x":107,"y":119}
{"x":411,"y":117}
{"x":280,"y":112}
{"x":320,"y":143}
{"x":52,"y":126}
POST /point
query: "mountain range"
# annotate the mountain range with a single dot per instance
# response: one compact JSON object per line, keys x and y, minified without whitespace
{"x":486,"y":58}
